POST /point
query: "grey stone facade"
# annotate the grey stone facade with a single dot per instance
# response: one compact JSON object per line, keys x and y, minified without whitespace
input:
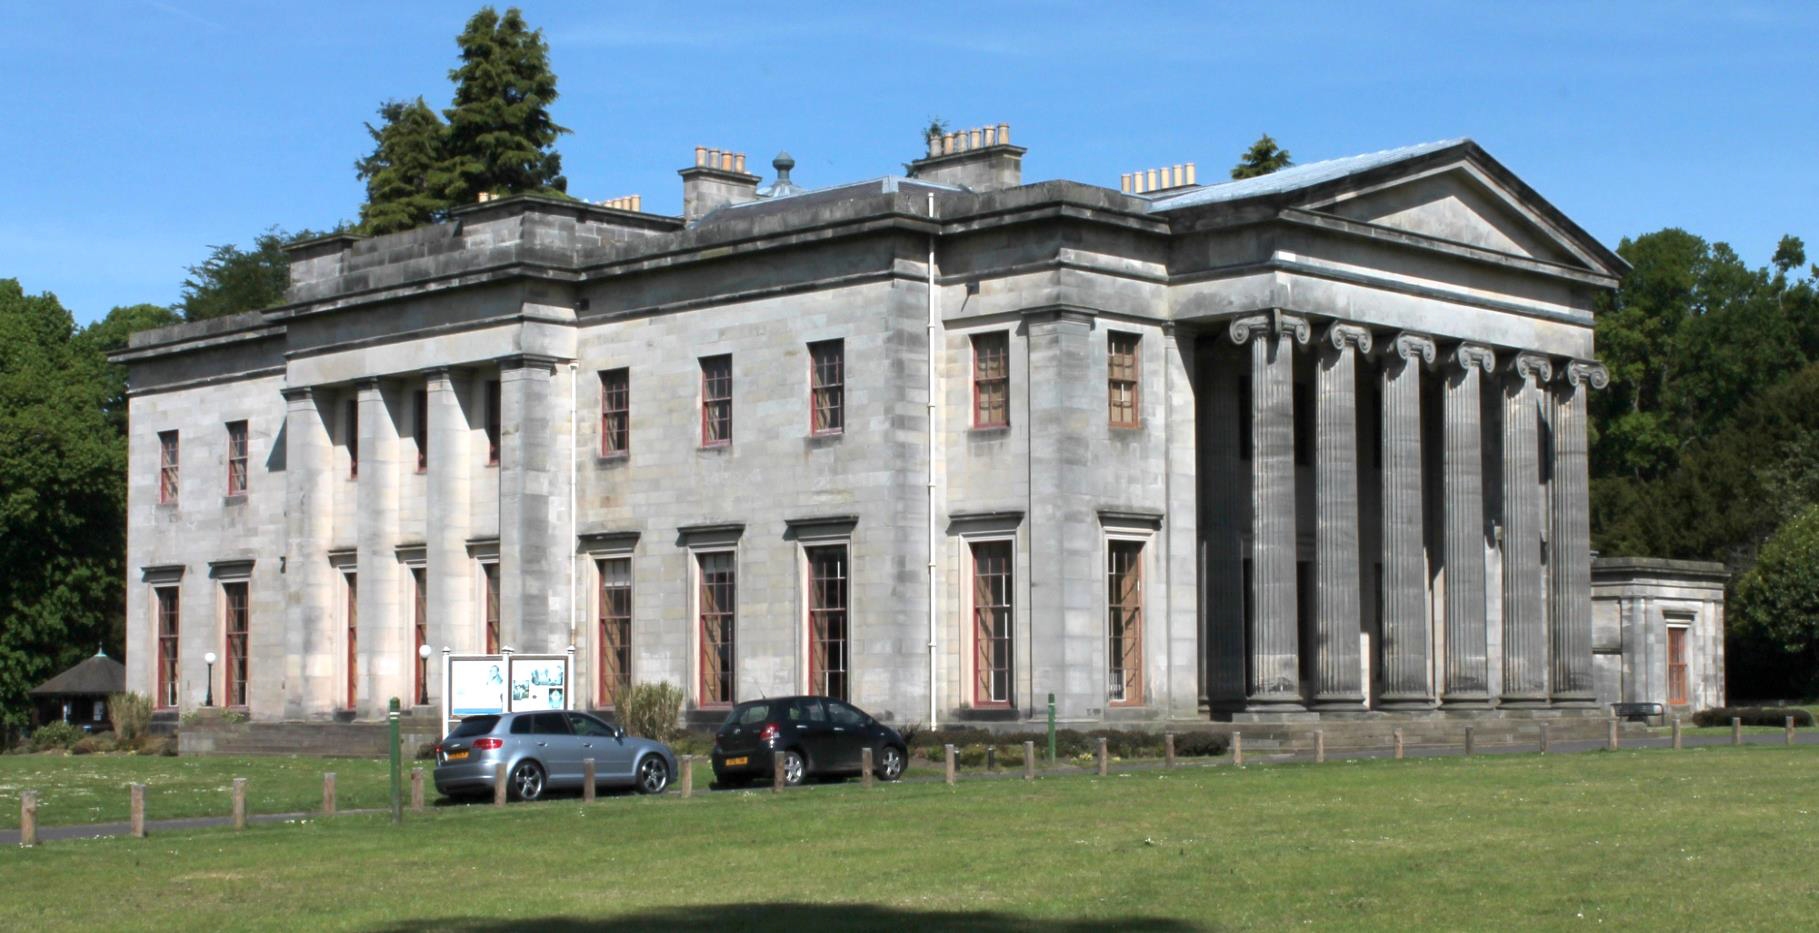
{"x":1655,"y":622}
{"x":1355,"y":477}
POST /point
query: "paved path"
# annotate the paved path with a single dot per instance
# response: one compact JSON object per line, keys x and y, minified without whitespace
{"x":10,"y":837}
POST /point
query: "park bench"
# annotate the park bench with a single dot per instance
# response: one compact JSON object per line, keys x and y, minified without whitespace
{"x":1638,"y":712}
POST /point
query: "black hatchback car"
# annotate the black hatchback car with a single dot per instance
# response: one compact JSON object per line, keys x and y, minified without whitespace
{"x":818,"y":736}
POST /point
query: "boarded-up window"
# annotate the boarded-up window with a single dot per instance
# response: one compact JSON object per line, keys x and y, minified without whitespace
{"x":828,"y":639}
{"x":717,"y":595}
{"x":991,"y":380}
{"x":167,"y":466}
{"x":991,"y":623}
{"x":1124,"y":622}
{"x":420,"y":631}
{"x":353,"y":637}
{"x":716,"y":400}
{"x":489,"y":576}
{"x":236,"y":624}
{"x":615,"y":627}
{"x":1676,"y":665}
{"x":615,"y":412}
{"x":236,"y":458}
{"x":827,"y":386}
{"x":168,"y":622}
{"x":1121,"y":378}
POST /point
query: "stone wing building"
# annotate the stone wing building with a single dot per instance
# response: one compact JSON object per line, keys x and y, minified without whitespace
{"x":1306,"y":444}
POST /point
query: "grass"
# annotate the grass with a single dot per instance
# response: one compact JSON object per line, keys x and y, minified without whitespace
{"x":92,"y":788}
{"x":1705,"y":838}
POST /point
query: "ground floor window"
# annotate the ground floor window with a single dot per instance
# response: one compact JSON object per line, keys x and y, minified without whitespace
{"x":991,"y":622}
{"x":716,"y":599}
{"x":236,"y":624}
{"x":166,"y":608}
{"x":1124,"y":620}
{"x":615,"y":627}
{"x":420,"y":632}
{"x":828,"y":640}
{"x":353,"y":636}
{"x":489,"y":577}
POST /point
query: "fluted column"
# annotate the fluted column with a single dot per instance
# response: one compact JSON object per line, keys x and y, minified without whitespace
{"x":1467,"y":663}
{"x":1524,"y":629}
{"x":534,"y":549}
{"x":1275,"y":682}
{"x":1338,"y":679}
{"x":451,"y":600}
{"x":376,"y":501}
{"x":1570,"y":581}
{"x":308,"y":580}
{"x":1406,"y":683}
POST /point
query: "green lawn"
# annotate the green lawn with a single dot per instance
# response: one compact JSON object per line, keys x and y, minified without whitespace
{"x":92,"y":788}
{"x":1700,"y":839}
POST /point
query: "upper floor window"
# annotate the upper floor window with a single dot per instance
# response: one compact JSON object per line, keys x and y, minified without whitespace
{"x":236,"y":458}
{"x":615,"y":412}
{"x":167,"y":466}
{"x":492,"y":421}
{"x":991,"y":380}
{"x":1121,"y":378}
{"x":420,"y":427}
{"x":716,"y":400}
{"x":827,"y":386}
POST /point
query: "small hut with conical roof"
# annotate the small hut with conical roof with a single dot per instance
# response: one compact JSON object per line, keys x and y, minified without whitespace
{"x":79,"y":695}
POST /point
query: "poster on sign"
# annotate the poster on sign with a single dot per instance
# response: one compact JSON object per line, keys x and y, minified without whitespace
{"x":476,"y":686}
{"x":539,"y":683}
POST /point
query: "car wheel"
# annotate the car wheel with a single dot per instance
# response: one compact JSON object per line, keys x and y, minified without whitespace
{"x":526,"y":782}
{"x":653,"y":775}
{"x":794,"y":768}
{"x":890,"y":763}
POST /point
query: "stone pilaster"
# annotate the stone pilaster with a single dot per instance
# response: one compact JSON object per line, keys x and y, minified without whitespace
{"x":452,"y":602}
{"x":1406,"y":645}
{"x":1181,"y":529}
{"x":1067,"y":646}
{"x":1467,"y":660}
{"x":1273,"y":639}
{"x":533,"y":506}
{"x":1338,"y":682}
{"x":376,"y":504}
{"x":1524,"y":629}
{"x":1570,"y":569}
{"x":309,"y":581}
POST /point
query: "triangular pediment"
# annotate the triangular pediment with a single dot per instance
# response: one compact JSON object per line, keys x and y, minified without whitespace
{"x":1458,"y":205}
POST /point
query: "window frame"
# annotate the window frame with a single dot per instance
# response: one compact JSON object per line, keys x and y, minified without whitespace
{"x":350,"y":428}
{"x":170,"y":452}
{"x":420,"y":426}
{"x":419,"y":633}
{"x":982,"y":700}
{"x":983,"y":340}
{"x":350,"y":615}
{"x":616,"y":419}
{"x":716,"y":410}
{"x":821,"y":619}
{"x":1131,"y":677}
{"x":236,"y":667}
{"x":610,"y":614}
{"x":238,"y":444}
{"x":827,"y":399}
{"x":495,"y":420}
{"x":1133,"y":381}
{"x":491,"y":636}
{"x":167,"y":629}
{"x":729,"y":618}
{"x":1684,"y":668}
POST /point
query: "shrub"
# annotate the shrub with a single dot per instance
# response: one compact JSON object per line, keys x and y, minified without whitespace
{"x":1753,"y":716}
{"x":165,"y":745}
{"x":1772,"y":630}
{"x":90,"y":744}
{"x":131,"y":715}
{"x":651,"y":710}
{"x":1201,"y":744}
{"x":56,"y":735}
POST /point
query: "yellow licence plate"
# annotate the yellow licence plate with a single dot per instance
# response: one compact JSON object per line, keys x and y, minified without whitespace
{"x":734,"y":762}
{"x":457,"y":756}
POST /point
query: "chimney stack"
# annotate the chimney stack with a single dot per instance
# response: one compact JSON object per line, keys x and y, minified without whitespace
{"x":717,"y":178}
{"x":979,"y":159}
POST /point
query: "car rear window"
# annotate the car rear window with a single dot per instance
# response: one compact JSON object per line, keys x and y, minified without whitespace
{"x":474,"y":725}
{"x":747,"y":714}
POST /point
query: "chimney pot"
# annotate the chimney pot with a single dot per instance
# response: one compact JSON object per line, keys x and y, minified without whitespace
{"x":1190,"y":173}
{"x":700,"y":155}
{"x":934,"y":145}
{"x":978,"y":139}
{"x":1004,"y":134}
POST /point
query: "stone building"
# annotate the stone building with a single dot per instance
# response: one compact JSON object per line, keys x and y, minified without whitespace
{"x":1658,"y":632}
{"x":1306,"y":444}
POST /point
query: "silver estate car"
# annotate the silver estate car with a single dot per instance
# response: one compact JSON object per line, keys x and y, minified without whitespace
{"x":544,"y":751}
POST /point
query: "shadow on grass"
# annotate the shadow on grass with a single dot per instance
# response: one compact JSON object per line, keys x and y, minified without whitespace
{"x":795,"y":918}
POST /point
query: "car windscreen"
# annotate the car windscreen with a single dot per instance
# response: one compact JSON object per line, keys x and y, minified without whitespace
{"x":747,"y":714}
{"x":474,"y":725}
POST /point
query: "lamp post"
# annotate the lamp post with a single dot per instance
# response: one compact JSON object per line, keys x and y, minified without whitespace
{"x":209,"y":699}
{"x":423,"y":653}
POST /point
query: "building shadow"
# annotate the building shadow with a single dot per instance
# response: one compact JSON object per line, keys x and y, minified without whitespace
{"x":792,"y":918}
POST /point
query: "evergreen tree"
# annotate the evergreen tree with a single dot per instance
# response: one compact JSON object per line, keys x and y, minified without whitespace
{"x":407,"y":146}
{"x":500,"y":135}
{"x":1262,"y":158}
{"x":232,"y":280}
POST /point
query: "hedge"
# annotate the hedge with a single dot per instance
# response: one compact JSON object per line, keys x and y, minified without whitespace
{"x":1753,"y":716}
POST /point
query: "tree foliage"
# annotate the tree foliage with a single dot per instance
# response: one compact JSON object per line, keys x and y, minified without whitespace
{"x":232,"y":280}
{"x":500,"y":137}
{"x":62,"y":512}
{"x":1773,"y":637}
{"x":407,"y":147}
{"x":1262,"y":158}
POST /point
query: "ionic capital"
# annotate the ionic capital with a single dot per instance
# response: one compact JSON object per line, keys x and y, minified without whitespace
{"x":1579,"y":372}
{"x":1276,"y":323}
{"x":1408,"y":347}
{"x":1532,"y":367}
{"x":1469,"y":355}
{"x":1344,"y":335}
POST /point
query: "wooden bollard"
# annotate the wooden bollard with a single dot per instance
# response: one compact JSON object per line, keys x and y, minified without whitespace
{"x":328,"y":793}
{"x":1790,"y":730}
{"x":28,"y":818}
{"x":1547,"y":738}
{"x":1611,"y":741}
{"x":1470,"y":746}
{"x":1168,"y":750}
{"x":688,"y":775}
{"x":239,"y":803}
{"x":1319,"y":746}
{"x":1398,"y":736}
{"x":416,"y":790}
{"x":1736,"y":731}
{"x":1105,"y":761}
{"x":776,"y":772}
{"x":1237,"y":749}
{"x":950,"y":764}
{"x":138,"y":814}
{"x":587,"y":780}
{"x":1029,"y":761}
{"x":1677,"y":733}
{"x":865,"y":767}
{"x":499,"y":790}
{"x":991,"y":758}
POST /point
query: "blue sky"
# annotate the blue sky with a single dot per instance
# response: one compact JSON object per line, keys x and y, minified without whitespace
{"x":139,"y":132}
